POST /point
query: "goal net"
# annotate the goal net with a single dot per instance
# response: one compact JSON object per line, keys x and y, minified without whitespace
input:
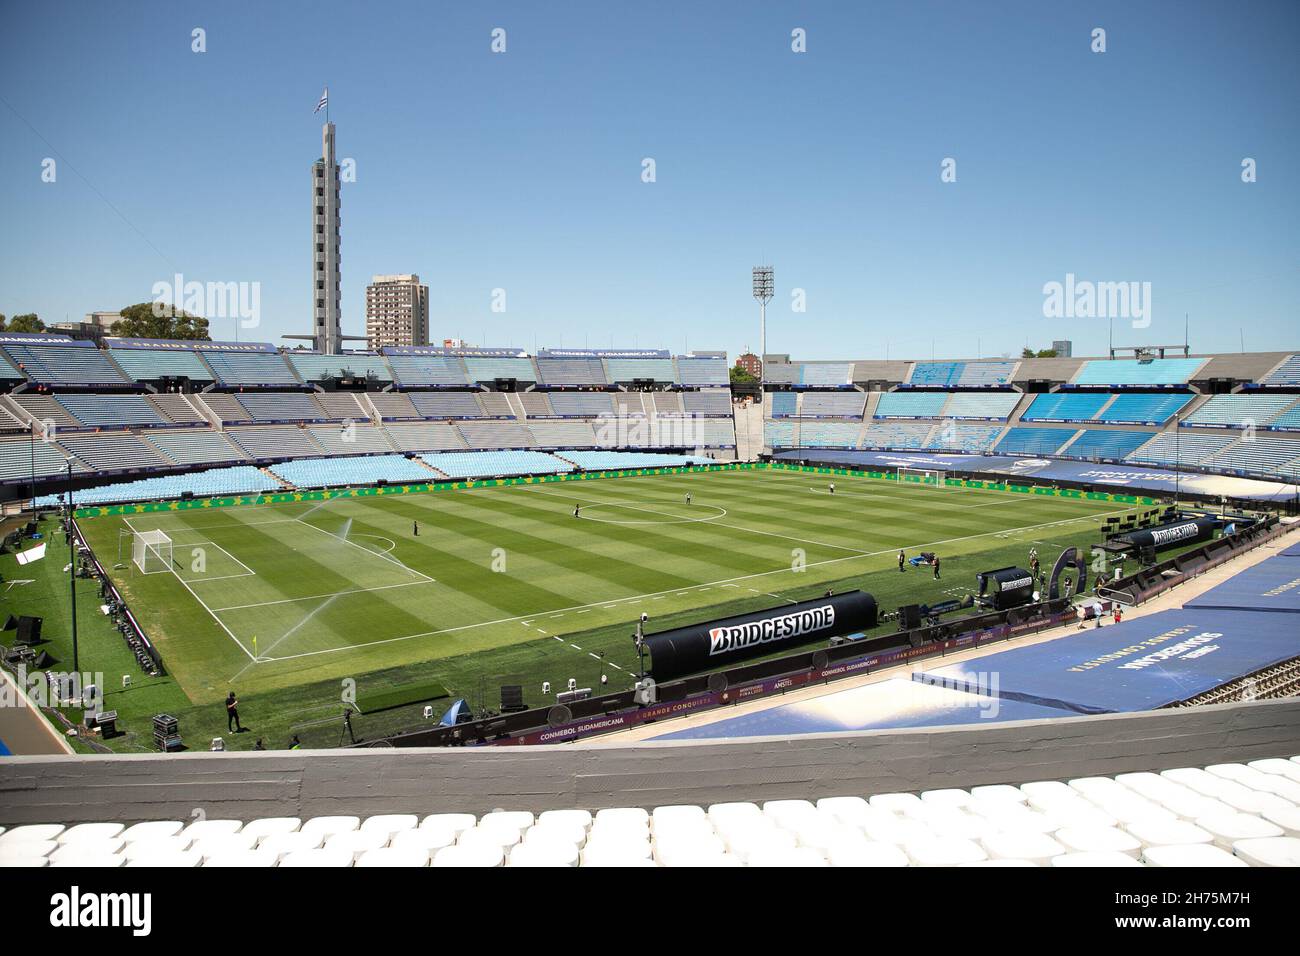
{"x":921,"y":476}
{"x":152,"y":551}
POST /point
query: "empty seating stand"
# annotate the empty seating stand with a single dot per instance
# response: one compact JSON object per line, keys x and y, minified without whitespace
{"x":779,"y":434}
{"x":1143,"y":409}
{"x":272,"y":442}
{"x":152,"y":365}
{"x":832,"y":404}
{"x":571,"y":371}
{"x":942,"y":374}
{"x":113,"y":451}
{"x":819,"y":434}
{"x":242,"y":479}
{"x":710,"y":401}
{"x":563,"y":434}
{"x":351,"y":439}
{"x":997,"y":406}
{"x":195,"y":447}
{"x":538,"y":404}
{"x":487,"y":464}
{"x":1034,"y":441}
{"x":911,"y":404}
{"x":616,"y":460}
{"x":112,"y":411}
{"x":1288,"y":373}
{"x":491,"y":369}
{"x":1111,"y":444}
{"x":897,"y":435}
{"x":312,"y":368}
{"x":495,"y":435}
{"x":250,"y":368}
{"x":631,"y":370}
{"x":784,"y":404}
{"x":580,"y":404}
{"x":282,"y":407}
{"x":968,"y":438}
{"x":1168,"y":448}
{"x":445,"y":370}
{"x":426,"y":436}
{"x":1065,"y":407}
{"x":340,"y":472}
{"x":393,"y":405}
{"x":1134,"y":372}
{"x":69,"y":363}
{"x":22,"y":458}
{"x":446,"y":405}
{"x":702,"y":371}
{"x":176,"y":409}
{"x":1239,"y":411}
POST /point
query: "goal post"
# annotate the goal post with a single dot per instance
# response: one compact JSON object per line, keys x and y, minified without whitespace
{"x":921,"y":476}
{"x":152,"y":551}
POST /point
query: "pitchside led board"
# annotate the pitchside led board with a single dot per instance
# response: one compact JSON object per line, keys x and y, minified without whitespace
{"x":689,"y":650}
{"x":1164,"y":536}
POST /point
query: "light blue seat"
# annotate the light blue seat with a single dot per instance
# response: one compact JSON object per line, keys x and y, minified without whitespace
{"x":150,"y":365}
{"x":1144,"y":409}
{"x":249,"y":368}
{"x":911,"y":405}
{"x":1102,"y":443}
{"x":615,"y":460}
{"x":937,"y":373}
{"x":833,"y":404}
{"x":1133,"y":372}
{"x":112,"y":411}
{"x":1065,"y":407}
{"x":702,"y":371}
{"x":487,"y":464}
{"x":1034,"y":441}
{"x":992,"y":405}
{"x":362,"y":470}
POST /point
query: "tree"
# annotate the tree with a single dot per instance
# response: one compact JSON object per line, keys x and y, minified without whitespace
{"x":28,"y":322}
{"x":1041,"y":353}
{"x":741,"y":377}
{"x":140,"y":321}
{"x":2,"y":321}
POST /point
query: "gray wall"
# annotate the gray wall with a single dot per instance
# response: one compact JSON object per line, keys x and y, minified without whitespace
{"x":594,"y":775}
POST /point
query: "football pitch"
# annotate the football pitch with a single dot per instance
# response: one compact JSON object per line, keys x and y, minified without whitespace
{"x":268,"y":596}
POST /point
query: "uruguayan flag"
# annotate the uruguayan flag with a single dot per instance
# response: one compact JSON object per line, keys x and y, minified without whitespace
{"x":324,"y":101}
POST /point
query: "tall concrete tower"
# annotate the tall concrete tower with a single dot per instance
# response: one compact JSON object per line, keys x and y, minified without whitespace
{"x":327,"y":334}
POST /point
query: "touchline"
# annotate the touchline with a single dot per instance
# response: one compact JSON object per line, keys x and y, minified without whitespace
{"x":77,"y":909}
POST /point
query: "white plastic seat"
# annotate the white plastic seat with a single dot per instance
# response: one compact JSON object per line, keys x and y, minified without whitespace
{"x":87,"y":859}
{"x":943,"y":852}
{"x":459,"y":855}
{"x":1228,"y":828}
{"x":897,"y":831}
{"x":389,"y":824}
{"x":582,"y":818}
{"x":1098,"y":839}
{"x":1040,"y":793}
{"x":1269,"y":851}
{"x":998,"y":792}
{"x":950,"y":797}
{"x":1287,"y":820}
{"x":1196,"y":855}
{"x":214,"y":829}
{"x":165,"y":859}
{"x":543,"y":853}
{"x":315,"y":858}
{"x":20,"y":860}
{"x":459,"y":822}
{"x":998,"y":862}
{"x":241,"y":859}
{"x":1169,"y":833}
{"x":623,"y":816}
{"x":1090,"y":787}
{"x":1099,"y":858}
{"x":848,"y":810}
{"x":510,"y":819}
{"x":329,"y":826}
{"x":156,"y":846}
{"x":1277,"y":766}
{"x":426,"y":840}
{"x":29,"y":832}
{"x":270,"y":826}
{"x":21,"y":849}
{"x":1038,"y":848}
{"x":282,"y":844}
{"x":894,"y":802}
{"x":560,"y":832}
{"x":209,"y":847}
{"x":102,"y":846}
{"x":356,"y":842}
{"x":787,"y":857}
{"x":90,"y":833}
{"x":386,"y":857}
{"x":152,"y":830}
{"x":866,"y":853}
{"x":499,"y":835}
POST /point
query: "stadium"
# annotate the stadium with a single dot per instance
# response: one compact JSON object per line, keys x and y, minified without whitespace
{"x":370,"y":601}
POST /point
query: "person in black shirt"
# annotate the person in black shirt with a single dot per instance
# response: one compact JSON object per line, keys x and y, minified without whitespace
{"x":415,"y":528}
{"x":232,"y":714}
{"x":900,"y":559}
{"x":936,"y":567}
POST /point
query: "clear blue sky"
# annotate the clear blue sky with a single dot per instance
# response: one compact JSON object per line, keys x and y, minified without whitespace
{"x":522,"y":171}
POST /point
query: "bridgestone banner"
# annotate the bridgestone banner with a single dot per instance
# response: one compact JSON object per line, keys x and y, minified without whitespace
{"x":688,"y":650}
{"x":1165,"y":536}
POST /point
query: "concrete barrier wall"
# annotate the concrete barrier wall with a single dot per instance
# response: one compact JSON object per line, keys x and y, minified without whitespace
{"x":595,"y":775}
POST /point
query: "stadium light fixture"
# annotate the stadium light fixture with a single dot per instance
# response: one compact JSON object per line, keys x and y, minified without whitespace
{"x":763,"y":288}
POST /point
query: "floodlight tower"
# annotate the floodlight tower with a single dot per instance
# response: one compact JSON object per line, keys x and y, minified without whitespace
{"x":763,"y":287}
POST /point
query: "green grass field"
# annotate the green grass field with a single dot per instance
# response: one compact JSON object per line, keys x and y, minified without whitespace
{"x":504,"y":584}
